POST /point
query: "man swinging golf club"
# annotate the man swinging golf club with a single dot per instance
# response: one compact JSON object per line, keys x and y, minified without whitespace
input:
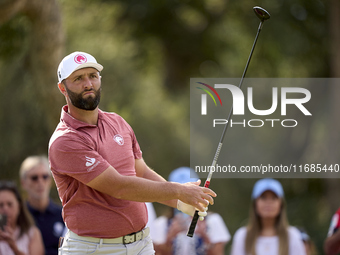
{"x":101,"y":177}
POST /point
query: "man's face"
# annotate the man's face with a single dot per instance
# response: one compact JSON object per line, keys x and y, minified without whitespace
{"x":83,"y":88}
{"x":37,"y":182}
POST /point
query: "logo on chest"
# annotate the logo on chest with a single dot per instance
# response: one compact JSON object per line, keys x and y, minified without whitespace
{"x":119,"y":139}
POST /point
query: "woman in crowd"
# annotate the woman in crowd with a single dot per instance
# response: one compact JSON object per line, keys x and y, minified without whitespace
{"x":18,"y":235}
{"x":268,"y":232}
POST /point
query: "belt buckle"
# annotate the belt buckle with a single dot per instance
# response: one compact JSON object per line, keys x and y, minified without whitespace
{"x":129,"y":239}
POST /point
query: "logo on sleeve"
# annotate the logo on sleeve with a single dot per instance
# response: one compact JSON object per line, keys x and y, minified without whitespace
{"x":89,"y":161}
{"x":118,"y":139}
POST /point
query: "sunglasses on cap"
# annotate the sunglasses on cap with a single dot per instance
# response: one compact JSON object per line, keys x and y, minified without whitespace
{"x":36,"y":177}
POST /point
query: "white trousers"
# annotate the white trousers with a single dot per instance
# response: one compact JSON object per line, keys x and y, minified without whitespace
{"x":78,"y":247}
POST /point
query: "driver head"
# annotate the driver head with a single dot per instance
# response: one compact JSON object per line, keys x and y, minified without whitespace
{"x":261,"y":13}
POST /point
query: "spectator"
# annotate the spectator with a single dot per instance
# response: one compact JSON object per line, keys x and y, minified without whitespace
{"x":169,"y":232}
{"x":268,"y":232}
{"x":151,"y":216}
{"x":332,"y":242}
{"x":36,"y":180}
{"x":19,"y":235}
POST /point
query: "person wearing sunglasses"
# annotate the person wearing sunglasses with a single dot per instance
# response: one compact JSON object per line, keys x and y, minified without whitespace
{"x":36,"y":180}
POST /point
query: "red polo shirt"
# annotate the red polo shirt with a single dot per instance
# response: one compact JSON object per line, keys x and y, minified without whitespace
{"x":79,"y":152}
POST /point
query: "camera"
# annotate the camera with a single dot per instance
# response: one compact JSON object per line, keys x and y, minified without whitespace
{"x":3,"y":221}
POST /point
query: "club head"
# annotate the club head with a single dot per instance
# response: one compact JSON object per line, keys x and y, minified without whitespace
{"x":261,"y":13}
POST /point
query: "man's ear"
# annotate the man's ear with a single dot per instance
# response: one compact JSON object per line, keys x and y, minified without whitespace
{"x":61,"y":87}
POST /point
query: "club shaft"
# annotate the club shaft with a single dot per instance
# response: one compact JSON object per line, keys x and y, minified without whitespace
{"x":240,"y":85}
{"x":220,"y":144}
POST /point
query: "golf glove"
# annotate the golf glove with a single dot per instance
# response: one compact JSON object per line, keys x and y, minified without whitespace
{"x":190,"y":210}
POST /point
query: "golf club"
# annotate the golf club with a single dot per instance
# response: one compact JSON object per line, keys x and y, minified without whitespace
{"x":263,"y":15}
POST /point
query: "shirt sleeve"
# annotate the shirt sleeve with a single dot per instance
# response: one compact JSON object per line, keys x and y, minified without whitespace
{"x":296,"y":246}
{"x":238,"y":245}
{"x":217,"y":230}
{"x":75,"y":156}
{"x":31,"y":232}
{"x":135,"y":145}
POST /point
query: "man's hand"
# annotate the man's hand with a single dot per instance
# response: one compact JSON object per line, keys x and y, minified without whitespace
{"x":201,"y":206}
{"x":8,"y":236}
{"x":198,"y":197}
{"x":190,"y":210}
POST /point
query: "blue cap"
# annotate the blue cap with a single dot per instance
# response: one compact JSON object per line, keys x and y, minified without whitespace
{"x":267,"y":184}
{"x":304,"y":236}
{"x":183,"y":175}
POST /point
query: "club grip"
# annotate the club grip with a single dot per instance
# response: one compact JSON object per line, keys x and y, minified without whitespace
{"x":193,"y":225}
{"x":195,"y":218}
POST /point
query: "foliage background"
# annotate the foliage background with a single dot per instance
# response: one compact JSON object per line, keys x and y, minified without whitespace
{"x":150,"y":50}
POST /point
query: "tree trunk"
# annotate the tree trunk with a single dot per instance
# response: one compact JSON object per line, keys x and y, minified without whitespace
{"x":44,"y":51}
{"x":31,"y":101}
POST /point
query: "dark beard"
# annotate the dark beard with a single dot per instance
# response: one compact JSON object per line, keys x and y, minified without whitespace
{"x":88,"y":104}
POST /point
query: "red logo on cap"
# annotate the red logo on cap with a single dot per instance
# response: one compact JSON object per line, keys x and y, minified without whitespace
{"x":80,"y":59}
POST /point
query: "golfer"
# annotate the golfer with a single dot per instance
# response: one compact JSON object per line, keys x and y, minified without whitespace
{"x":101,"y":177}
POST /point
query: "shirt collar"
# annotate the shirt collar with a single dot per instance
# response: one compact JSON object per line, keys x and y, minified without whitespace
{"x":73,"y":122}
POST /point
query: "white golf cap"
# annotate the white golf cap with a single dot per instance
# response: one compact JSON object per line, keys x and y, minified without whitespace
{"x":75,"y":61}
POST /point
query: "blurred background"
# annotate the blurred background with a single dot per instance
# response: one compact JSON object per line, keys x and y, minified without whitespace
{"x":150,"y":50}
